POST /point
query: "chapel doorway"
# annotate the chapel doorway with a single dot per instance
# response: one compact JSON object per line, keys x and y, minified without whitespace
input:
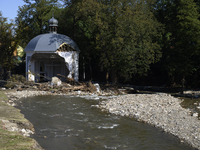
{"x":42,"y":71}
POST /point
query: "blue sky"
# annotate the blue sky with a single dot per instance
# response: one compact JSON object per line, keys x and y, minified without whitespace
{"x":9,"y":8}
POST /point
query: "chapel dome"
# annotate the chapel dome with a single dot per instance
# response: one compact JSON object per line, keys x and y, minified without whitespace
{"x":49,"y":42}
{"x":53,"y":22}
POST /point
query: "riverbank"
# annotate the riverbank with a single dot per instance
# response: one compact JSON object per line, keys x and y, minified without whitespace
{"x":14,"y":128}
{"x":160,"y":110}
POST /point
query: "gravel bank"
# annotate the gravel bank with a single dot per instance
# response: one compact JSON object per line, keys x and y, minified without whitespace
{"x":161,"y":110}
{"x":14,"y":95}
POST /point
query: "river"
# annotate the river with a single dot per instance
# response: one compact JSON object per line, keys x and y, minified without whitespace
{"x":72,"y":123}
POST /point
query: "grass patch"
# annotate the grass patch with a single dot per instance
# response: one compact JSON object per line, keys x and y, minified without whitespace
{"x":8,"y":112}
{"x":3,"y":97}
{"x":12,"y":140}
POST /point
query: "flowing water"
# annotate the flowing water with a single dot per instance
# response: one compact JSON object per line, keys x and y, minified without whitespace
{"x":72,"y":123}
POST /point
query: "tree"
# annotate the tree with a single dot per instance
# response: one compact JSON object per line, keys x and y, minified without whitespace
{"x":181,"y":39}
{"x":8,"y":43}
{"x":125,"y":35}
{"x":76,"y":25}
{"x":32,"y":19}
{"x":116,"y":37}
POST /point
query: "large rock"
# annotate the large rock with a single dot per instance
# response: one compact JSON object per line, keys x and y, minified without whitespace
{"x":56,"y":81}
{"x":91,"y":87}
{"x":97,"y":87}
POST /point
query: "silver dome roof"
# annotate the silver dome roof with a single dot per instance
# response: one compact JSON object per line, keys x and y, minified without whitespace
{"x":53,"y":22}
{"x":50,"y":42}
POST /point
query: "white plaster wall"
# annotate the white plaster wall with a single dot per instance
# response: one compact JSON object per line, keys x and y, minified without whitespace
{"x":37,"y":70}
{"x":76,"y":67}
{"x":71,"y":62}
{"x":31,"y":71}
{"x":68,"y":56}
{"x":29,"y":67}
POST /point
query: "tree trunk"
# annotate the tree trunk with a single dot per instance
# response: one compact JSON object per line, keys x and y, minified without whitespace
{"x":83,"y":69}
{"x":182,"y":84}
{"x":114,"y":78}
{"x":74,"y":28}
{"x":90,"y":66}
{"x":107,"y":77}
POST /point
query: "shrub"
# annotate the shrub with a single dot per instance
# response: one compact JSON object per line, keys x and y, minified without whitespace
{"x":15,"y":79}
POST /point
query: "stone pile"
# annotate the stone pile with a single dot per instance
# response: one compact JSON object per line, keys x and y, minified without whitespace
{"x":12,"y":126}
{"x":161,"y":110}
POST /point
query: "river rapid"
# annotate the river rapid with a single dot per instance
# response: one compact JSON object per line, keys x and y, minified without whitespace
{"x":74,"y":123}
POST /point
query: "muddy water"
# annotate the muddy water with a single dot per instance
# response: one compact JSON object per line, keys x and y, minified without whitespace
{"x":71,"y":123}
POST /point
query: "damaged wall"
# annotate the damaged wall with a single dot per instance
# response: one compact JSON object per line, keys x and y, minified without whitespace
{"x":71,"y":60}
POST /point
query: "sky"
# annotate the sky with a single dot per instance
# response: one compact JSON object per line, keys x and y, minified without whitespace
{"x":9,"y":8}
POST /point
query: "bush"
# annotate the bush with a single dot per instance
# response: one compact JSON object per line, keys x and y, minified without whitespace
{"x":15,"y":79}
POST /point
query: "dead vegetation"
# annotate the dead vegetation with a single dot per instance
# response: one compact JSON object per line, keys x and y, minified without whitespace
{"x":19,"y":83}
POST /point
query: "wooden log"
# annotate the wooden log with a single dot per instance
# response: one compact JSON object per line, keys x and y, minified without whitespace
{"x":74,"y":88}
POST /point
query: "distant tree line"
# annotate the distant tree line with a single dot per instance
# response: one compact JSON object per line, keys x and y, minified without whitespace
{"x":8,"y":44}
{"x":150,"y":42}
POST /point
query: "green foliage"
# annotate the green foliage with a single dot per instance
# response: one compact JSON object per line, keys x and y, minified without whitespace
{"x":8,"y":43}
{"x":33,"y":19}
{"x":123,"y":37}
{"x":122,"y":34}
{"x":181,"y":39}
{"x":120,"y":37}
{"x":15,"y":79}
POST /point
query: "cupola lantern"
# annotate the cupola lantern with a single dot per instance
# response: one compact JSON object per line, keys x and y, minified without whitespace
{"x":53,"y":23}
